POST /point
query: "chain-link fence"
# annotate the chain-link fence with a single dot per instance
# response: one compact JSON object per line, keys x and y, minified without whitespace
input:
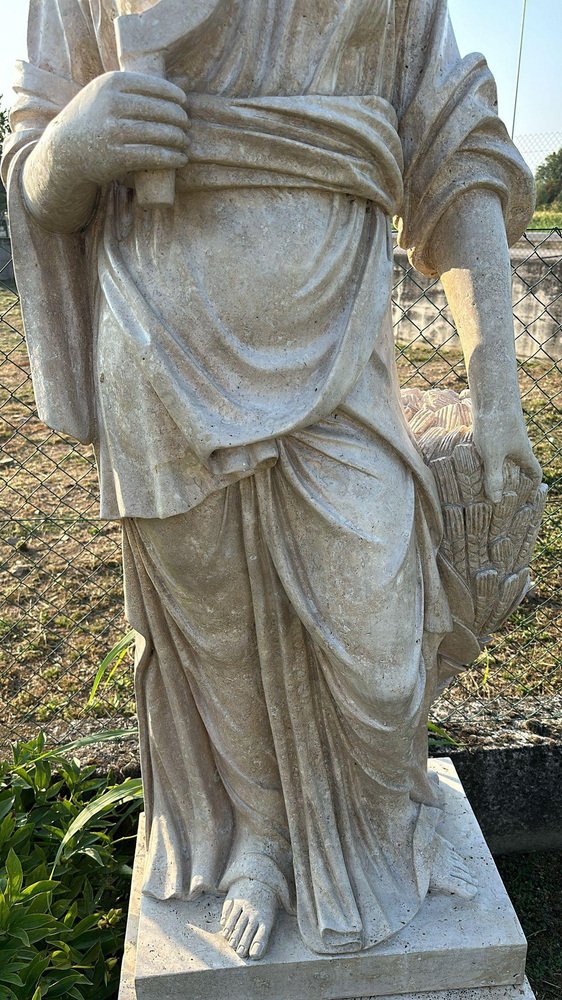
{"x":60,"y":598}
{"x":535,"y":147}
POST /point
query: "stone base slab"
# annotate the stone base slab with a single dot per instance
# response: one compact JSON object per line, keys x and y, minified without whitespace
{"x":452,"y":950}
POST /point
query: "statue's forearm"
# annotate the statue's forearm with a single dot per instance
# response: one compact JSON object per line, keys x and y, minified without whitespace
{"x":469,"y":250}
{"x":58,"y":201}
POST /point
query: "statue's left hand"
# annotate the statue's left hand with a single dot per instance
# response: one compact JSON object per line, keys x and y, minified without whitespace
{"x":498,"y":438}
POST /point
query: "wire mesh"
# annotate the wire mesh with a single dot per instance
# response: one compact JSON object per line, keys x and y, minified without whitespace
{"x":61,"y":605}
{"x":536,"y":146}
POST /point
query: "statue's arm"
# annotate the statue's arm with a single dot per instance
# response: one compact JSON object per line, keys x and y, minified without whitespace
{"x":469,"y":251}
{"x":118,"y":123}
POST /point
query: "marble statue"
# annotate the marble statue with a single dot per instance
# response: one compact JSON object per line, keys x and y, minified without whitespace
{"x":201,"y":195}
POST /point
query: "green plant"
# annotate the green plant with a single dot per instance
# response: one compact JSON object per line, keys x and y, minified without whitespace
{"x":439,"y":738}
{"x":66,"y":840}
{"x":111,"y":663}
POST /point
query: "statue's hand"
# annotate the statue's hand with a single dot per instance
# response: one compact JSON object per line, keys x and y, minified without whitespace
{"x":497,"y":439}
{"x":119,"y":123}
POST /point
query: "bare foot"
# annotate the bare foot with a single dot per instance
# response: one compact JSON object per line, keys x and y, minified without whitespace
{"x":450,"y":874}
{"x":248,"y":917}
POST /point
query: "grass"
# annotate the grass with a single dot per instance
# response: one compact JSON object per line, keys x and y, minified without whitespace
{"x":534,"y":883}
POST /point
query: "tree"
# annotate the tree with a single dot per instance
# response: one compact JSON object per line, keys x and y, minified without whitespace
{"x":549,"y":180}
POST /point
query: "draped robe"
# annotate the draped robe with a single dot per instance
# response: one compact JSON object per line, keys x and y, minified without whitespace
{"x":231,"y":359}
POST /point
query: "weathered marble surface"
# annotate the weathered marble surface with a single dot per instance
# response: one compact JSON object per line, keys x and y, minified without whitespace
{"x":230,"y":354}
{"x":174,"y":951}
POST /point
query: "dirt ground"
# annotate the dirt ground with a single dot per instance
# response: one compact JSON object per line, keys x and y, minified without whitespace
{"x":60,"y":577}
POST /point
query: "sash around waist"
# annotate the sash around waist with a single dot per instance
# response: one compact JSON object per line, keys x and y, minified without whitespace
{"x":348,"y":145}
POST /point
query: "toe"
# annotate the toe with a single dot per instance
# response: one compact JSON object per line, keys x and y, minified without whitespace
{"x":460,"y":870}
{"x":459,"y":885}
{"x":466,"y":890}
{"x":229,"y":903}
{"x":238,"y":932}
{"x":232,"y":919}
{"x":247,"y":938}
{"x":259,"y":944}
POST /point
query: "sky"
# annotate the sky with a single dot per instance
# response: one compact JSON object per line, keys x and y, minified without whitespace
{"x":489,"y":26}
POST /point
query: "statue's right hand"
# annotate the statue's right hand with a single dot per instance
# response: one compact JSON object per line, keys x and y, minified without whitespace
{"x":119,"y":123}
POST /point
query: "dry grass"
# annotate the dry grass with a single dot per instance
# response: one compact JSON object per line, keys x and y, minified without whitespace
{"x":60,"y":569}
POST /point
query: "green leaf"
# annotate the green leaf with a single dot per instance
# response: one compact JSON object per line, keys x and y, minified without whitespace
{"x":129,"y":790}
{"x":40,"y":903}
{"x":45,"y":885}
{"x":42,"y":776}
{"x":10,"y":977}
{"x":37,"y":995}
{"x":13,"y":980}
{"x":107,"y":736}
{"x":115,"y":654}
{"x":35,"y":970}
{"x":24,"y":776}
{"x":4,"y":913}
{"x":85,"y":924}
{"x":95,"y":855}
{"x":7,"y":827}
{"x":15,"y":873}
{"x":438,"y":731}
{"x":7,"y":802}
{"x":71,"y":915}
{"x":60,"y":987}
{"x":33,"y":921}
{"x":20,"y":935}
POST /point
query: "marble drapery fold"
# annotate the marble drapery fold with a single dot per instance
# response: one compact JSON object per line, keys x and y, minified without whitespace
{"x":232,"y":360}
{"x":258,"y":614}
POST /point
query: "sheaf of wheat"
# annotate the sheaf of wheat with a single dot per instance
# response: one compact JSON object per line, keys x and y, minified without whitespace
{"x":487,"y":548}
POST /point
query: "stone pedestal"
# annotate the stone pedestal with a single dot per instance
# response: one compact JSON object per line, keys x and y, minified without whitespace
{"x":452,"y":950}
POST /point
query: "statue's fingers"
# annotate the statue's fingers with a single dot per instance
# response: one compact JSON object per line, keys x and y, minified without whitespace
{"x":151,"y":86}
{"x":152,"y":109}
{"x":153,"y":134}
{"x":141,"y":156}
{"x":533,"y":469}
{"x":493,"y":482}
